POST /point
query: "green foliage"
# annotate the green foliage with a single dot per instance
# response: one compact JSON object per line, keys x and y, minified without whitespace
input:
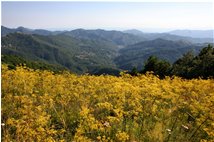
{"x":134,"y":72}
{"x":163,"y":68}
{"x":151,"y":64}
{"x":12,"y":61}
{"x":159,"y":67}
{"x":106,"y":71}
{"x":78,"y":55}
{"x":205,"y":62}
{"x":100,"y":52}
{"x":182,"y":66}
{"x":190,"y":66}
{"x":135,"y":55}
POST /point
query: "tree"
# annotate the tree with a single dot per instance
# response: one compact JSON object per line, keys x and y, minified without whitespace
{"x":134,"y":71}
{"x":163,"y":68}
{"x":204,"y":62}
{"x":151,"y":64}
{"x":159,"y":67}
{"x":190,"y":66}
{"x":183,"y":66}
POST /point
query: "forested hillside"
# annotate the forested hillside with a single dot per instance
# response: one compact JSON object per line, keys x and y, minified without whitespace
{"x":188,"y":66}
{"x":92,"y":51}
{"x":136,"y":55}
{"x":78,"y":55}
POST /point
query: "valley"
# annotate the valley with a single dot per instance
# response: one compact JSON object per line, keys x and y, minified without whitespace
{"x":88,"y":51}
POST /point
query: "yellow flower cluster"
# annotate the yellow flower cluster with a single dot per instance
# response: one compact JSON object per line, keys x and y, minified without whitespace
{"x":43,"y":106}
{"x":122,"y":136}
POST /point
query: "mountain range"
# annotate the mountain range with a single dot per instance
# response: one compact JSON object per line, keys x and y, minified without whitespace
{"x":195,"y":36}
{"x":194,"y":33}
{"x":94,"y":51}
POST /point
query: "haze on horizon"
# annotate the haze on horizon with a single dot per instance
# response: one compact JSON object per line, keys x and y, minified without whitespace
{"x":146,"y":16}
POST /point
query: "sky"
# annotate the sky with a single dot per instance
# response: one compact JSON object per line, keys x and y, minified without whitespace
{"x":147,"y":16}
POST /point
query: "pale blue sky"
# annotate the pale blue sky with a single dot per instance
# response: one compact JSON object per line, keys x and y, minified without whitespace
{"x":108,"y":15}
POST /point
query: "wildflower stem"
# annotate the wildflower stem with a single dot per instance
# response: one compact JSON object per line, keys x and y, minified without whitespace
{"x":173,"y":126}
{"x":198,"y":128}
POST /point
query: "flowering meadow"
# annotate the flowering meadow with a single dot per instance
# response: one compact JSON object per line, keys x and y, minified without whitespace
{"x":45,"y":106}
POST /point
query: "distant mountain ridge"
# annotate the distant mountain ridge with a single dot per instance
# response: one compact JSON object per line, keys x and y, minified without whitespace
{"x":176,"y":35}
{"x":119,"y":38}
{"x":194,"y":33}
{"x":184,"y":33}
{"x":5,"y":31}
{"x":133,"y":31}
{"x":96,"y":51}
{"x":116,"y":37}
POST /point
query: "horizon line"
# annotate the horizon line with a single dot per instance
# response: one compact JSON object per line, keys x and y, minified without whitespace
{"x":149,"y":30}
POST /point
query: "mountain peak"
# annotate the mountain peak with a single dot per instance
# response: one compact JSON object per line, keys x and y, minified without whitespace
{"x":133,"y":31}
{"x":23,"y":29}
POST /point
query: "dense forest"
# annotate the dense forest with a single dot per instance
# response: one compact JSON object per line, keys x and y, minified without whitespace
{"x":189,"y":66}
